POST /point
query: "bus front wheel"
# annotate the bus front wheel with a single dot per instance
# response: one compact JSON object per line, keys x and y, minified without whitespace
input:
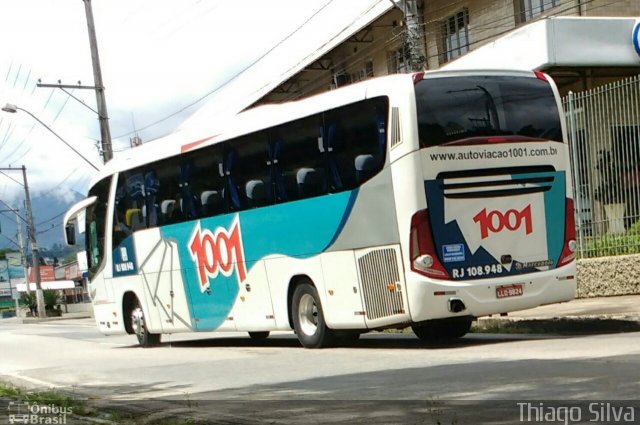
{"x":138,"y":324}
{"x":308,"y":320}
{"x":442,"y":329}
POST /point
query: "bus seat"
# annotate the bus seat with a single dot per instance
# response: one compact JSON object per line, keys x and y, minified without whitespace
{"x":166,"y":209}
{"x":132,"y":218}
{"x":256,"y":193}
{"x":309,"y":182}
{"x":364,"y":165}
{"x":211,"y":202}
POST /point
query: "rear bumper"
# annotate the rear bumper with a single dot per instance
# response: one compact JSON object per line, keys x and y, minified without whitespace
{"x":427,"y":301}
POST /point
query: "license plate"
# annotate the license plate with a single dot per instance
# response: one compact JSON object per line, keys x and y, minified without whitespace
{"x":509,"y":290}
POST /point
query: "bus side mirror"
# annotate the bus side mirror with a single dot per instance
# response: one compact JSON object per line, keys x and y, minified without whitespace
{"x":70,"y":231}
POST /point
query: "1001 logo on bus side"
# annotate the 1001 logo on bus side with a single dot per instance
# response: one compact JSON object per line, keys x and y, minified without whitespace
{"x":219,"y":252}
{"x":496,"y":221}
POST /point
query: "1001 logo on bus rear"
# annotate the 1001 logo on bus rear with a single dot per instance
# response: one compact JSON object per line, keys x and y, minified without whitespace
{"x":496,"y":221}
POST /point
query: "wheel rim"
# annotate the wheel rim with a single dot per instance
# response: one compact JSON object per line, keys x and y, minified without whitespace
{"x":308,"y":315}
{"x":137,"y":321}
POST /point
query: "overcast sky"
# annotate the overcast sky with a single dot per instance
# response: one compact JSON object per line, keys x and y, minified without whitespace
{"x":158,"y":57}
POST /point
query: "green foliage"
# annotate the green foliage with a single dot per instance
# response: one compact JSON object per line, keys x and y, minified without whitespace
{"x":634,"y":229}
{"x":29,"y":299}
{"x":609,"y":245}
{"x":51,"y":298}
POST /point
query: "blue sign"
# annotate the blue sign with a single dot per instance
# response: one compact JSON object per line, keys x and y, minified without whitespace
{"x":453,"y":253}
{"x":635,"y":38}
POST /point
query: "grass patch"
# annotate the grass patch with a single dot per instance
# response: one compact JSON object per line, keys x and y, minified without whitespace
{"x":48,"y":397}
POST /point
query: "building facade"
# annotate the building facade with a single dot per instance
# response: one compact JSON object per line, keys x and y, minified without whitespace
{"x":430,"y":34}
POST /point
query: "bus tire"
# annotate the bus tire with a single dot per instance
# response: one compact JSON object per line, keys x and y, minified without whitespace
{"x":442,"y":329}
{"x":259,"y":335}
{"x":308,"y":319}
{"x":145,"y":338}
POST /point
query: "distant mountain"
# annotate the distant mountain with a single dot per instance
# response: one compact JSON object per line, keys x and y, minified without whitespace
{"x":48,"y":211}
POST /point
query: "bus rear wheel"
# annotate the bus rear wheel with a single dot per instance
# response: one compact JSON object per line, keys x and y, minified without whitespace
{"x":308,"y":319}
{"x":138,"y":324}
{"x":442,"y":329}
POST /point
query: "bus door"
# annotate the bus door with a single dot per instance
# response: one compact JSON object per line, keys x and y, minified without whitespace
{"x":159,"y":261}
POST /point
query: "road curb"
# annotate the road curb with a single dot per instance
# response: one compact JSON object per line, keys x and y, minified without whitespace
{"x":559,"y":325}
{"x":29,"y":320}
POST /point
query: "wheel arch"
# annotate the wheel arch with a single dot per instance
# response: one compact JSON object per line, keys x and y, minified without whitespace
{"x":129,"y":301}
{"x":294,"y":282}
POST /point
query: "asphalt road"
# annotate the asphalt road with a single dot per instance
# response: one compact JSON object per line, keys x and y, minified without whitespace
{"x":383,"y":378}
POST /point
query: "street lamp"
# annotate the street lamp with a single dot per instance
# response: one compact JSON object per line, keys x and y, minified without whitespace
{"x":13,"y":109}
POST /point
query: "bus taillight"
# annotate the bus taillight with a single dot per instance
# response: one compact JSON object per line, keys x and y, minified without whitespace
{"x":569,"y":248}
{"x":541,"y":76}
{"x":424,"y":257}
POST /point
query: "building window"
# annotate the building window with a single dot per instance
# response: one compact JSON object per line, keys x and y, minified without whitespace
{"x":398,"y":60}
{"x":368,"y":68}
{"x":364,"y":73}
{"x":529,"y":9}
{"x":455,"y":36}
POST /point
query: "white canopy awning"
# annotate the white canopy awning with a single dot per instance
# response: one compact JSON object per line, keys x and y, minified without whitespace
{"x":558,"y":42}
{"x":55,"y":284}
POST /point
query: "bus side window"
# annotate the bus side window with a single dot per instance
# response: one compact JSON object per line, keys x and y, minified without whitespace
{"x":151,"y":207}
{"x":358,"y":141}
{"x":252,"y":170}
{"x":206,"y":185}
{"x":167,"y":172}
{"x":135,"y":189}
{"x":276,"y":185}
{"x":189,"y":203}
{"x":231,"y":191}
{"x":302,"y":162}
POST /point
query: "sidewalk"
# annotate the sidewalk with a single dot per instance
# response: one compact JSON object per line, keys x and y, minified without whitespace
{"x":584,"y":315}
{"x":65,"y":316}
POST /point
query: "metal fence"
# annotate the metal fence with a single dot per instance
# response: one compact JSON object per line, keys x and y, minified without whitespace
{"x":604,"y":139}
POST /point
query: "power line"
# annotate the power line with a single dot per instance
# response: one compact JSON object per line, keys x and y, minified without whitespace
{"x":233,"y":77}
{"x":11,"y":178}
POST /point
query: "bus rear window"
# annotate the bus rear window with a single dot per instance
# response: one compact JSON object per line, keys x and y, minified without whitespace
{"x":455,"y":108}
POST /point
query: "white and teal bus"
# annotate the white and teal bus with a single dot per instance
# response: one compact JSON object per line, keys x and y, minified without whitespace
{"x":425,"y":200}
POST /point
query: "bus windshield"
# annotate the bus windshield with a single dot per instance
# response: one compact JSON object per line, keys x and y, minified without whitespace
{"x":456,"y":108}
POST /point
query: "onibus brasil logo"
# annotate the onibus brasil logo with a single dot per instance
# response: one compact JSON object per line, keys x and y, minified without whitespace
{"x":217,"y":252}
{"x":33,"y":413}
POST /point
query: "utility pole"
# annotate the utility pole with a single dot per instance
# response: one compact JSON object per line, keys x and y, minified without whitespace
{"x":105,"y":133}
{"x":35,"y":258}
{"x":23,"y":254}
{"x":414,"y":36}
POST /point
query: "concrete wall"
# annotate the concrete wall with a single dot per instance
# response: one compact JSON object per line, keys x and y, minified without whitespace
{"x":608,"y":276}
